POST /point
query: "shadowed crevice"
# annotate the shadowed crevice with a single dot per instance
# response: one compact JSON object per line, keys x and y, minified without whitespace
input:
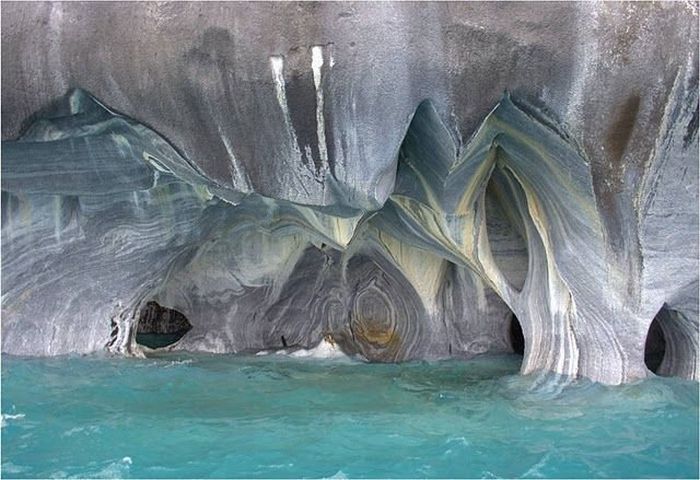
{"x":515,"y":332}
{"x":655,"y":346}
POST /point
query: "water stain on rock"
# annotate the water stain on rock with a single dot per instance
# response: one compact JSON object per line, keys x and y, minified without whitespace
{"x":620,"y":132}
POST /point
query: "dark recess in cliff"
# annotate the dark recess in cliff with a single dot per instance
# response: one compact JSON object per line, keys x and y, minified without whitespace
{"x":160,"y":326}
{"x":655,"y":347}
{"x":517,"y":340}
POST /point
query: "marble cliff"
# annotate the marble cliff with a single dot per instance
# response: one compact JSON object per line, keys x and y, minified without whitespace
{"x":403,"y":179}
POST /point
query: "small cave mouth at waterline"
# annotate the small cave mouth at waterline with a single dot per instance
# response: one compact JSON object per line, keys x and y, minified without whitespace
{"x":160,"y":327}
{"x":517,"y":340}
{"x":655,"y":346}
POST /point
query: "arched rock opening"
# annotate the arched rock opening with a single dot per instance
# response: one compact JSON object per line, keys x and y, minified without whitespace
{"x":160,"y":327}
{"x":680,"y":335}
{"x":515,"y":332}
{"x":655,"y":346}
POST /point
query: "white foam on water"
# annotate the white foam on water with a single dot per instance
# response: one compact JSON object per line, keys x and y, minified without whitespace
{"x":118,"y":469}
{"x":9,"y":416}
{"x":89,"y":430}
{"x":9,"y":467}
{"x":535,"y":471}
{"x":339,"y":475}
{"x":72,"y":431}
{"x":324,"y":349}
{"x":175,"y":363}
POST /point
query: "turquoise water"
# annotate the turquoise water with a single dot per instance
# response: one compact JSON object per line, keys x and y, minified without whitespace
{"x":225,"y":416}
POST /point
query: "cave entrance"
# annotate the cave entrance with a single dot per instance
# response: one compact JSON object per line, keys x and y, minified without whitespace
{"x":517,"y":340}
{"x":672,"y":344}
{"x":160,"y":327}
{"x":655,"y":346}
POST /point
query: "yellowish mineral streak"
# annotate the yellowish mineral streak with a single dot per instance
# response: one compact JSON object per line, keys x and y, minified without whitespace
{"x":423,"y":269}
{"x":338,"y":231}
{"x":566,"y":358}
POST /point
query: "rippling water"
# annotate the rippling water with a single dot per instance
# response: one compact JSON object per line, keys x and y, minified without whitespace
{"x":226,"y":416}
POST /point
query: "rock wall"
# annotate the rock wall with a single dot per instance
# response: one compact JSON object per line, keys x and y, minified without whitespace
{"x":280,"y":173}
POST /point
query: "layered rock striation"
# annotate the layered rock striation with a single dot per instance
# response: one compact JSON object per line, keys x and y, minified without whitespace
{"x":355,"y":172}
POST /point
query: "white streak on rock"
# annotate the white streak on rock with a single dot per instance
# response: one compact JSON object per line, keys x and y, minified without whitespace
{"x":277,"y":67}
{"x":316,"y":65}
{"x":57,"y":206}
{"x":238,"y":175}
{"x":308,"y":156}
{"x":137,"y":203}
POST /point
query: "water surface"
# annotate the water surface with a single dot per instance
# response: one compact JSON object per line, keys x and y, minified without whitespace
{"x":225,"y":416}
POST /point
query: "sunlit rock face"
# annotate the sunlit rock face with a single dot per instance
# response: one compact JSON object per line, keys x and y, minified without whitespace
{"x":281,"y":174}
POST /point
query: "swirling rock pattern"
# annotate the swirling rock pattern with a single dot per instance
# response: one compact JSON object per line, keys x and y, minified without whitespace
{"x":385,"y":316}
{"x":281,"y":189}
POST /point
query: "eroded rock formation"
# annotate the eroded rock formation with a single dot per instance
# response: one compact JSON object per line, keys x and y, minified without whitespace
{"x":281,"y":173}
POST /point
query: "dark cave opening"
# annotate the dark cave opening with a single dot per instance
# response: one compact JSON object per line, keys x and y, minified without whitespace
{"x":655,"y":346}
{"x":160,"y":327}
{"x":517,"y":340}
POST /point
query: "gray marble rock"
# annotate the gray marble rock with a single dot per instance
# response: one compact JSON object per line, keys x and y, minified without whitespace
{"x":398,"y":178}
